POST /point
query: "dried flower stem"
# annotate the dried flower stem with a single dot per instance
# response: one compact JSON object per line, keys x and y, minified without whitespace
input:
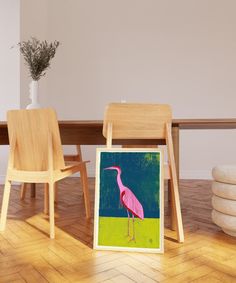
{"x":38,"y":55}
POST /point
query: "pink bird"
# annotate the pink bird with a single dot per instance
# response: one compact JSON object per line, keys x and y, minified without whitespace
{"x":128,"y":200}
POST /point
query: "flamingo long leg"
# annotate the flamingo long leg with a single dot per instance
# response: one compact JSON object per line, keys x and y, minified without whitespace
{"x":133,"y":228}
{"x":128,"y":223}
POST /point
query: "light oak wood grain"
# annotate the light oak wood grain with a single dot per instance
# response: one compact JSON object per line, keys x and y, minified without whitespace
{"x":207,"y":255}
{"x":84,"y":180}
{"x":146,"y":121}
{"x":36,"y":157}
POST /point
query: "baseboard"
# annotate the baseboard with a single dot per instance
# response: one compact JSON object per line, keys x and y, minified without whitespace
{"x":196,"y":174}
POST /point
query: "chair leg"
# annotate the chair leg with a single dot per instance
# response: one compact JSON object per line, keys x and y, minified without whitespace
{"x":84,"y":180}
{"x":174,"y":187}
{"x":46,"y":197}
{"x":173,"y":217}
{"x":55,"y":192}
{"x":46,"y":187}
{"x":23,"y":190}
{"x":51,"y":210}
{"x":33,"y":190}
{"x":5,"y":203}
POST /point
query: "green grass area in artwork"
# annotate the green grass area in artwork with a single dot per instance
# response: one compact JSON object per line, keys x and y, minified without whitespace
{"x":113,"y":231}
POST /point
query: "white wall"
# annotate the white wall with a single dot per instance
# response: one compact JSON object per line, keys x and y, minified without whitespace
{"x":177,"y":52}
{"x":34,"y":22}
{"x":9,"y":66}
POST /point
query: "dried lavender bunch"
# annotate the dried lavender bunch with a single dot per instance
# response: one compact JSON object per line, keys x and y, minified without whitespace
{"x":37,"y":55}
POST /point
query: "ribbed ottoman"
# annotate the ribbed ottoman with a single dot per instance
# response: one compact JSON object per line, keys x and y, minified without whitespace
{"x":224,"y":198}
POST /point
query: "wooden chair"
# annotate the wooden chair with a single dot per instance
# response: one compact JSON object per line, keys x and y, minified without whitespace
{"x":36,"y":156}
{"x":146,"y":121}
{"x":83,"y":178}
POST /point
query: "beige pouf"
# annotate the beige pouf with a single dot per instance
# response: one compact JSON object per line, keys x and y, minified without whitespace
{"x":225,"y":221}
{"x":224,"y":198}
{"x":225,"y":174}
{"x":224,"y":190}
{"x":225,"y":206}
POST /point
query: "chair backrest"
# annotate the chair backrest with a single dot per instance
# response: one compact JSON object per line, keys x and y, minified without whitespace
{"x":137,"y":121}
{"x":31,"y":130}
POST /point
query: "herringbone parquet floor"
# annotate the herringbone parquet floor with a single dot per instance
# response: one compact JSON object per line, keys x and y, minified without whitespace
{"x":28,"y":255}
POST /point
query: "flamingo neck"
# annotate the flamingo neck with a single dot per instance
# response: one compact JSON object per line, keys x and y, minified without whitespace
{"x":119,"y":182}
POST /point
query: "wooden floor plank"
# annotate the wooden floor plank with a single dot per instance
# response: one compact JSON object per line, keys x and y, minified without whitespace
{"x":190,"y":275}
{"x":207,"y":279}
{"x":144,"y":268}
{"x":48,"y":272}
{"x":27,"y":254}
{"x":30,"y":275}
{"x":119,"y":279}
{"x":134,"y":274}
{"x":223,"y":277}
{"x":10,"y":277}
{"x":99,"y":277}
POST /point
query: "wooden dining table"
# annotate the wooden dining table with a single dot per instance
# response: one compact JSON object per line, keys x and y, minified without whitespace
{"x":89,"y":132}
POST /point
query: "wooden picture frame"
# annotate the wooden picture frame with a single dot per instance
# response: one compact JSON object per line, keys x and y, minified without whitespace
{"x":129,"y":200}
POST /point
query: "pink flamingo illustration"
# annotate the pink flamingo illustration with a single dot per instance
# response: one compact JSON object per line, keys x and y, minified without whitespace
{"x":128,"y":200}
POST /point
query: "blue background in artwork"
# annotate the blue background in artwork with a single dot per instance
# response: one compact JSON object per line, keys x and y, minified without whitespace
{"x":140,"y":173}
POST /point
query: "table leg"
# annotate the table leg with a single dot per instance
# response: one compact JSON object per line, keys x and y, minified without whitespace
{"x":46,"y":198}
{"x":33,"y":190}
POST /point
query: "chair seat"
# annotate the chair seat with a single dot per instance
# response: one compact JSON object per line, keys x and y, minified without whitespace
{"x":225,"y":174}
{"x":70,"y":164}
{"x":43,"y":176}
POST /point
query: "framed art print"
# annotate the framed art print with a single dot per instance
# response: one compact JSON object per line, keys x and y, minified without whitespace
{"x":129,"y":200}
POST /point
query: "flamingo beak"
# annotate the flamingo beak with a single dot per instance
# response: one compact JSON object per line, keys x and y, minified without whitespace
{"x":109,"y":168}
{"x":112,"y":168}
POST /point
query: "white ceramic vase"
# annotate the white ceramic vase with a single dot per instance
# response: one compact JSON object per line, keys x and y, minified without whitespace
{"x":33,"y":88}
